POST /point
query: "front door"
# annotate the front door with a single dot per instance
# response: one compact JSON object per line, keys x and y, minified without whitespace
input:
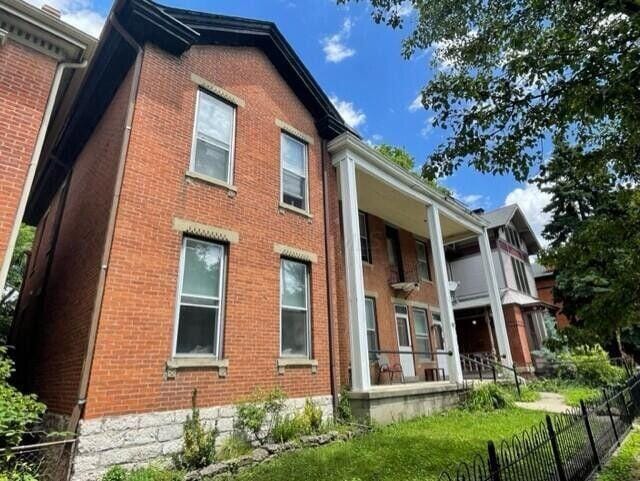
{"x":404,"y":340}
{"x":440,"y":344}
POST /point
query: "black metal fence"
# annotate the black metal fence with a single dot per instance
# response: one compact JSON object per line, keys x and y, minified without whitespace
{"x":565,"y":447}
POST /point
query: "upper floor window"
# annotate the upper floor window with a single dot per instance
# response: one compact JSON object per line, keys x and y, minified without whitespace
{"x":423,"y":261}
{"x":212,"y":151}
{"x":365,"y":242}
{"x":520,"y":273}
{"x":372,"y":334}
{"x":293,"y":158}
{"x":294,"y":302}
{"x":512,"y":236}
{"x":201,"y":290}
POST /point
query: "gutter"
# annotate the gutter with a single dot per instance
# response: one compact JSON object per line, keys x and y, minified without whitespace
{"x":35,"y":157}
{"x":108,"y":242}
{"x":328,"y":270}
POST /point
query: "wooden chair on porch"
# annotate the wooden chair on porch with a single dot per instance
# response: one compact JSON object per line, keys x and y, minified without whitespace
{"x":385,"y":367}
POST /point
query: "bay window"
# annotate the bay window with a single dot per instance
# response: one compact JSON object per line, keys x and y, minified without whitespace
{"x":294,"y":315}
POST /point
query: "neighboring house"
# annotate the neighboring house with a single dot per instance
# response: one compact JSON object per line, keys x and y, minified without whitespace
{"x":545,"y":283}
{"x":207,"y":220}
{"x":512,"y":242}
{"x":40,"y":68}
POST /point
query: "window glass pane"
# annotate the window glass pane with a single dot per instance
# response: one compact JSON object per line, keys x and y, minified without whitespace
{"x":293,"y":189}
{"x":422,"y":346}
{"x":438,"y":336}
{"x":202,"y":268}
{"x":196,"y":330}
{"x":211,"y":160}
{"x":401,"y":309}
{"x":421,"y":251}
{"x":403,"y":333}
{"x":294,"y":284}
{"x":293,"y":156}
{"x":215,"y":119}
{"x":371,"y":316}
{"x":294,"y":332}
{"x":420,"y":321}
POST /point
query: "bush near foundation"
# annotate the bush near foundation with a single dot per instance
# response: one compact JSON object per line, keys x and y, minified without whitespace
{"x":258,"y":414}
{"x":488,"y":397}
{"x":590,"y":366}
{"x":198,"y":441}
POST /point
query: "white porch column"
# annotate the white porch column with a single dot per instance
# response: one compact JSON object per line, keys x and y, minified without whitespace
{"x":494,"y":298}
{"x":360,"y":374}
{"x":444,"y":295}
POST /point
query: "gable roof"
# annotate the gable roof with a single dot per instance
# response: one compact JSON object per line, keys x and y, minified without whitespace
{"x":513,"y":214}
{"x":175,"y":31}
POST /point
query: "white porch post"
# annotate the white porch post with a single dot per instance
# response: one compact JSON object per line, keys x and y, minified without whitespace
{"x":360,"y":374}
{"x":494,"y":298}
{"x":444,"y":295}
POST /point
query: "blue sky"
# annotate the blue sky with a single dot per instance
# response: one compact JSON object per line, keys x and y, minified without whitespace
{"x":358,"y":64}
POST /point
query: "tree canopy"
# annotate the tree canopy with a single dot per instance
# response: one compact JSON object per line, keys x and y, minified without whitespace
{"x":397,"y":154}
{"x":512,"y":75}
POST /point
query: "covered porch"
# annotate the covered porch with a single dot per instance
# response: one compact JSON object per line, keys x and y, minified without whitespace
{"x":403,"y":343}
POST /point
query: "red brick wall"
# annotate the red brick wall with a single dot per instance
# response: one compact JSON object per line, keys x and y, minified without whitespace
{"x":25,"y":82}
{"x":137,"y":319}
{"x":376,"y":281}
{"x":61,"y":333}
{"x":545,"y":286}
{"x":517,"y":332}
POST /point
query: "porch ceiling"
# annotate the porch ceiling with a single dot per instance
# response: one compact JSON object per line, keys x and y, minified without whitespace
{"x":380,"y":199}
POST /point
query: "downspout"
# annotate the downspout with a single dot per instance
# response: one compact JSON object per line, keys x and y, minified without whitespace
{"x":328,"y":269}
{"x":31,"y":172}
{"x":97,"y":307}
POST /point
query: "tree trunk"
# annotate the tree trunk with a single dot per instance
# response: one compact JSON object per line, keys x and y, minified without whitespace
{"x":619,"y":343}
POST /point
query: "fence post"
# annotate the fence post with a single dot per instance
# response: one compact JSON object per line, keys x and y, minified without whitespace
{"x":515,"y":375}
{"x":494,"y":464}
{"x":556,"y":450}
{"x":585,"y":416}
{"x":613,"y":424}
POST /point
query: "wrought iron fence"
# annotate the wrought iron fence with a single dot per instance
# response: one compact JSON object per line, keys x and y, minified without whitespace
{"x":45,"y":461}
{"x":565,"y":447}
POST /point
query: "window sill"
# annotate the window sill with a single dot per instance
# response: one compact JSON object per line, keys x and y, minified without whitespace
{"x":295,"y":210}
{"x":176,"y":363}
{"x":232,"y":190}
{"x":284,"y":362}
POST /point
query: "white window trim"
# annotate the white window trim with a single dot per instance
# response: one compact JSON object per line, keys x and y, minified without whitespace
{"x":426,"y":261}
{"x":375,"y":323}
{"x":436,"y":310}
{"x":307,"y":308}
{"x":407,"y":323}
{"x":306,"y":209}
{"x":364,"y":234}
{"x":426,"y":333}
{"x":221,"y":306}
{"x":232,"y":144}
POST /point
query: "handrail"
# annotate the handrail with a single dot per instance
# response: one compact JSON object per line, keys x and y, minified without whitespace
{"x":420,"y":353}
{"x":493,"y":364}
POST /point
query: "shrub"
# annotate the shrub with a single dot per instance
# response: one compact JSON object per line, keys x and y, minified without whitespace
{"x":258,"y":413}
{"x":290,"y":427}
{"x":589,"y":366}
{"x":487,"y":398}
{"x":312,"y":415}
{"x":232,"y":447}
{"x":198,"y":442}
{"x":149,"y":473}
{"x":343,"y":410}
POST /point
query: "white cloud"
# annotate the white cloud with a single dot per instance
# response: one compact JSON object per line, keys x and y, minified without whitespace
{"x":416,"y":104}
{"x":79,"y":13}
{"x":428,"y":126}
{"x":349,"y":112}
{"x":405,"y":9}
{"x":473,"y":201}
{"x":531,"y":200}
{"x":334,"y":47}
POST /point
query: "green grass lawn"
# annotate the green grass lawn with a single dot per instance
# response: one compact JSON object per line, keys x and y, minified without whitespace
{"x":571,"y":391}
{"x":625,"y":465}
{"x":406,"y":451}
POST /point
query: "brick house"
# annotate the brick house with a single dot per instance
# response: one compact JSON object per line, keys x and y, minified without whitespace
{"x":545,"y":283}
{"x":207,"y":220}
{"x":512,"y":242}
{"x":40,"y":67}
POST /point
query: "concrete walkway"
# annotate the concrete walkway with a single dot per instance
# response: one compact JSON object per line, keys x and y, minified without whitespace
{"x":549,"y":401}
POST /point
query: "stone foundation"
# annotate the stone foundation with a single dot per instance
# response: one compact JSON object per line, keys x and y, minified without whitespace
{"x":138,"y":439}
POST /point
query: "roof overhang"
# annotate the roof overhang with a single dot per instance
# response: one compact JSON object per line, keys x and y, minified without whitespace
{"x":525,"y":230}
{"x":175,"y":31}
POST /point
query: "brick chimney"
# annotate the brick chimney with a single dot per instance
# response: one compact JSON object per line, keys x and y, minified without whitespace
{"x":51,"y":10}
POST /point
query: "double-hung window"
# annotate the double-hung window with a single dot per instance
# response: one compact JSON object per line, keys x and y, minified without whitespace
{"x":421,"y":330}
{"x":212,"y":151}
{"x":365,"y":243}
{"x":293,"y":157}
{"x":200,"y":298}
{"x":372,"y":334}
{"x":294,"y":302}
{"x":423,"y":261}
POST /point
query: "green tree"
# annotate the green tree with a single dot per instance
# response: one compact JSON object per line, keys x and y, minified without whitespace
{"x":512,"y":74}
{"x":594,"y":247}
{"x":398,"y":154}
{"x":9,"y":297}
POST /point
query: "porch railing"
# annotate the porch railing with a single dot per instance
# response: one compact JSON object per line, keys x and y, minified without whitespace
{"x":488,"y":368}
{"x":379,"y":358}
